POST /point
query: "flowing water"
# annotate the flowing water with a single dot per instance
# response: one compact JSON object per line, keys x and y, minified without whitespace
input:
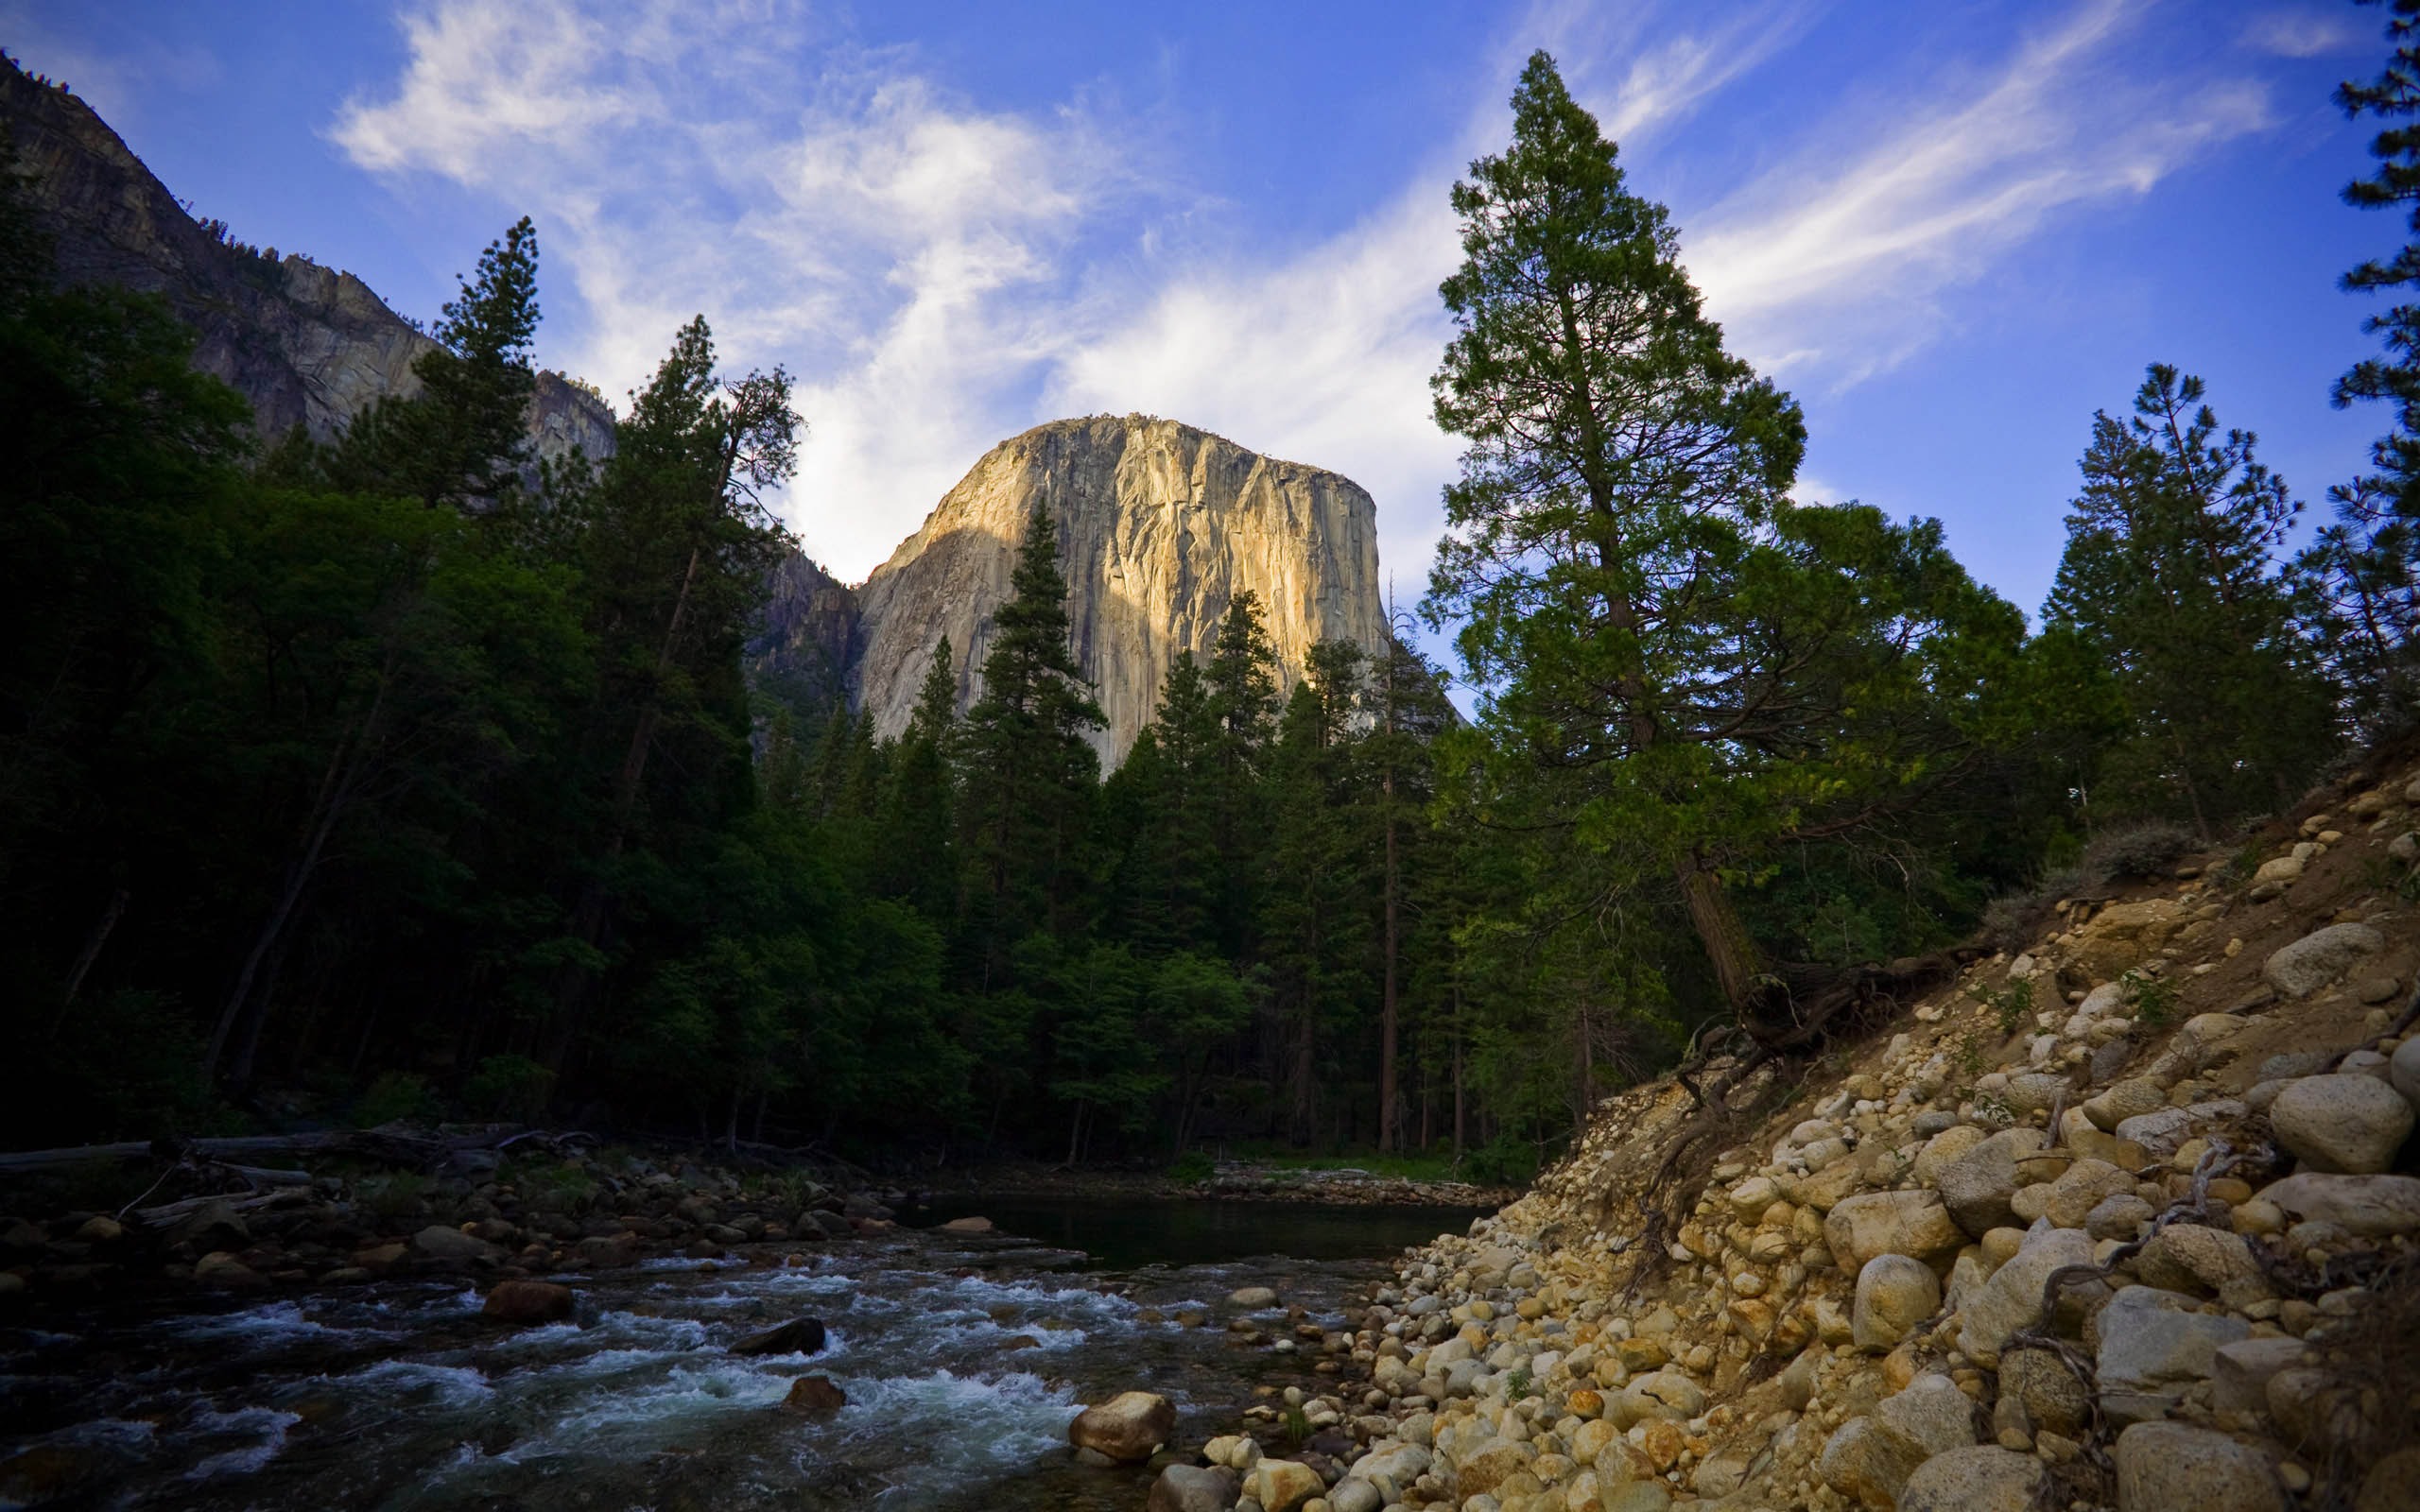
{"x":963,"y":1358}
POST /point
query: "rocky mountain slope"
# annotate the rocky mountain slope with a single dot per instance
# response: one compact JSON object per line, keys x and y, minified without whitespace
{"x":2127,"y":1219}
{"x":306,"y":344}
{"x":1160,"y":524}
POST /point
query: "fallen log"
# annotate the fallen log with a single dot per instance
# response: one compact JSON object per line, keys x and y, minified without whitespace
{"x":392,"y":1148}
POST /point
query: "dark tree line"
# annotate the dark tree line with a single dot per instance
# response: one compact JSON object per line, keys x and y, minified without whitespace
{"x":408,"y":775}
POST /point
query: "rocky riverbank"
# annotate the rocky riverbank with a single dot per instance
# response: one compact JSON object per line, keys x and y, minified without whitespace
{"x":1239,"y":1180}
{"x":2124,"y":1220}
{"x":485,"y":1216}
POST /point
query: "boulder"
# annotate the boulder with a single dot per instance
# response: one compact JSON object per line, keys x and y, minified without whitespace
{"x":1659,"y":1396}
{"x":1931,"y":1413}
{"x":2011,"y":1300}
{"x":799,"y":1335}
{"x":528,"y":1301}
{"x":1194,"y":1489}
{"x":2079,"y":1190}
{"x":2212,"y":1261}
{"x":224,"y":1272}
{"x":1252,"y":1298}
{"x":2241,"y":1371}
{"x":2178,"y":1468}
{"x":1494,"y":1463}
{"x":1979,"y":1478}
{"x":815,"y":1394}
{"x":967,"y":1225}
{"x":2393,"y":1484}
{"x":1914,"y":1224}
{"x":2366,"y":1207}
{"x":1943,"y":1150}
{"x":1868,"y":1463}
{"x":2165,"y":1132}
{"x":2403,"y":1072}
{"x":1129,"y":1428}
{"x":2131,"y":1098}
{"x":2155,"y":1345}
{"x":2346,"y":1124}
{"x":1978,"y":1186}
{"x":1895,"y":1293}
{"x":2319,"y":957}
{"x":2054,"y":1400}
{"x":437,"y":1242}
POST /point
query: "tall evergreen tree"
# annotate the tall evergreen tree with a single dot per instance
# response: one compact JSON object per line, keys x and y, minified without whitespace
{"x":2168,"y":572}
{"x":2360,"y":575}
{"x":1030,"y":767}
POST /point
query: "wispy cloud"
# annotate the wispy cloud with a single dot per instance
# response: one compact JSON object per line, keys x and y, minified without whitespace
{"x":898,"y":247}
{"x":1849,"y":245}
{"x":941,"y":274}
{"x":2303,"y":31}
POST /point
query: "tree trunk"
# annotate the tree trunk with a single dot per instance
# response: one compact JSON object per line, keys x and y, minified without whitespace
{"x":588,"y":918}
{"x":1728,"y":948}
{"x":1457,"y":1075}
{"x":336,"y":787}
{"x":1387,"y":1134}
{"x":92,"y":952}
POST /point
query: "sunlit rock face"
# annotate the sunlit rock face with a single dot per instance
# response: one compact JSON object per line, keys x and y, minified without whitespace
{"x":306,"y":344}
{"x":1159,"y":526}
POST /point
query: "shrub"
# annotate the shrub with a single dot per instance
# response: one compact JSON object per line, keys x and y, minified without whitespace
{"x":1191,"y":1167}
{"x":396,"y":1095}
{"x":1503,"y":1161}
{"x":2146,"y":849}
{"x":512,"y":1087}
{"x":2014,"y":922}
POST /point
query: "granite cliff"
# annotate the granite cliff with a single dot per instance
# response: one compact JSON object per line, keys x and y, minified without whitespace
{"x":1159,"y":526}
{"x":306,"y":344}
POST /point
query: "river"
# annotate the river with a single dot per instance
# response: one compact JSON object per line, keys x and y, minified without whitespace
{"x":963,"y":1358}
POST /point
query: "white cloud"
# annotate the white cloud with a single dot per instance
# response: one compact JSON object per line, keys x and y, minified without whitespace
{"x":2304,"y":32}
{"x":1832,"y":263}
{"x":941,"y":275}
{"x":895,"y":246}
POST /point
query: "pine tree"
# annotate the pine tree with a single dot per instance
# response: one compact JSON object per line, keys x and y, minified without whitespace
{"x":1657,"y":632}
{"x":2168,"y":572}
{"x":1240,"y":687}
{"x":1030,"y":767}
{"x":915,"y":856}
{"x":464,"y":440}
{"x":2360,"y":576}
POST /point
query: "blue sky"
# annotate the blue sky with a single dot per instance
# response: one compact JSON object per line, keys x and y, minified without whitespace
{"x":1952,"y":228}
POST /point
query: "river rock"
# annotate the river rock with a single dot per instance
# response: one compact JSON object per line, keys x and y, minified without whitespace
{"x":2239,"y":1371}
{"x":2189,"y":1258}
{"x":2054,"y":1400}
{"x":815,"y":1394}
{"x":1980,"y":1478}
{"x":1895,"y":1293}
{"x":2393,"y":1484}
{"x":1943,"y":1150}
{"x":967,"y":1225}
{"x":1253,"y":1299}
{"x":438,"y":1242}
{"x":1914,"y":1224}
{"x":2131,"y":1098}
{"x":2166,"y":1467}
{"x":799,"y":1335}
{"x":2154,"y":1346}
{"x":1285,"y":1484}
{"x":1129,"y":1427}
{"x":528,"y":1301}
{"x":2403,"y":1072}
{"x":224,"y":1272}
{"x":2011,"y":1300}
{"x":1931,"y":1413}
{"x":1868,"y":1462}
{"x":2367,"y":1207}
{"x":1194,"y":1489}
{"x":2319,"y":957}
{"x":1978,"y":1186}
{"x":2341,"y":1123}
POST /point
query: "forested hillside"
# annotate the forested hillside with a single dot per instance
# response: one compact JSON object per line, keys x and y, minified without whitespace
{"x":400,"y":775}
